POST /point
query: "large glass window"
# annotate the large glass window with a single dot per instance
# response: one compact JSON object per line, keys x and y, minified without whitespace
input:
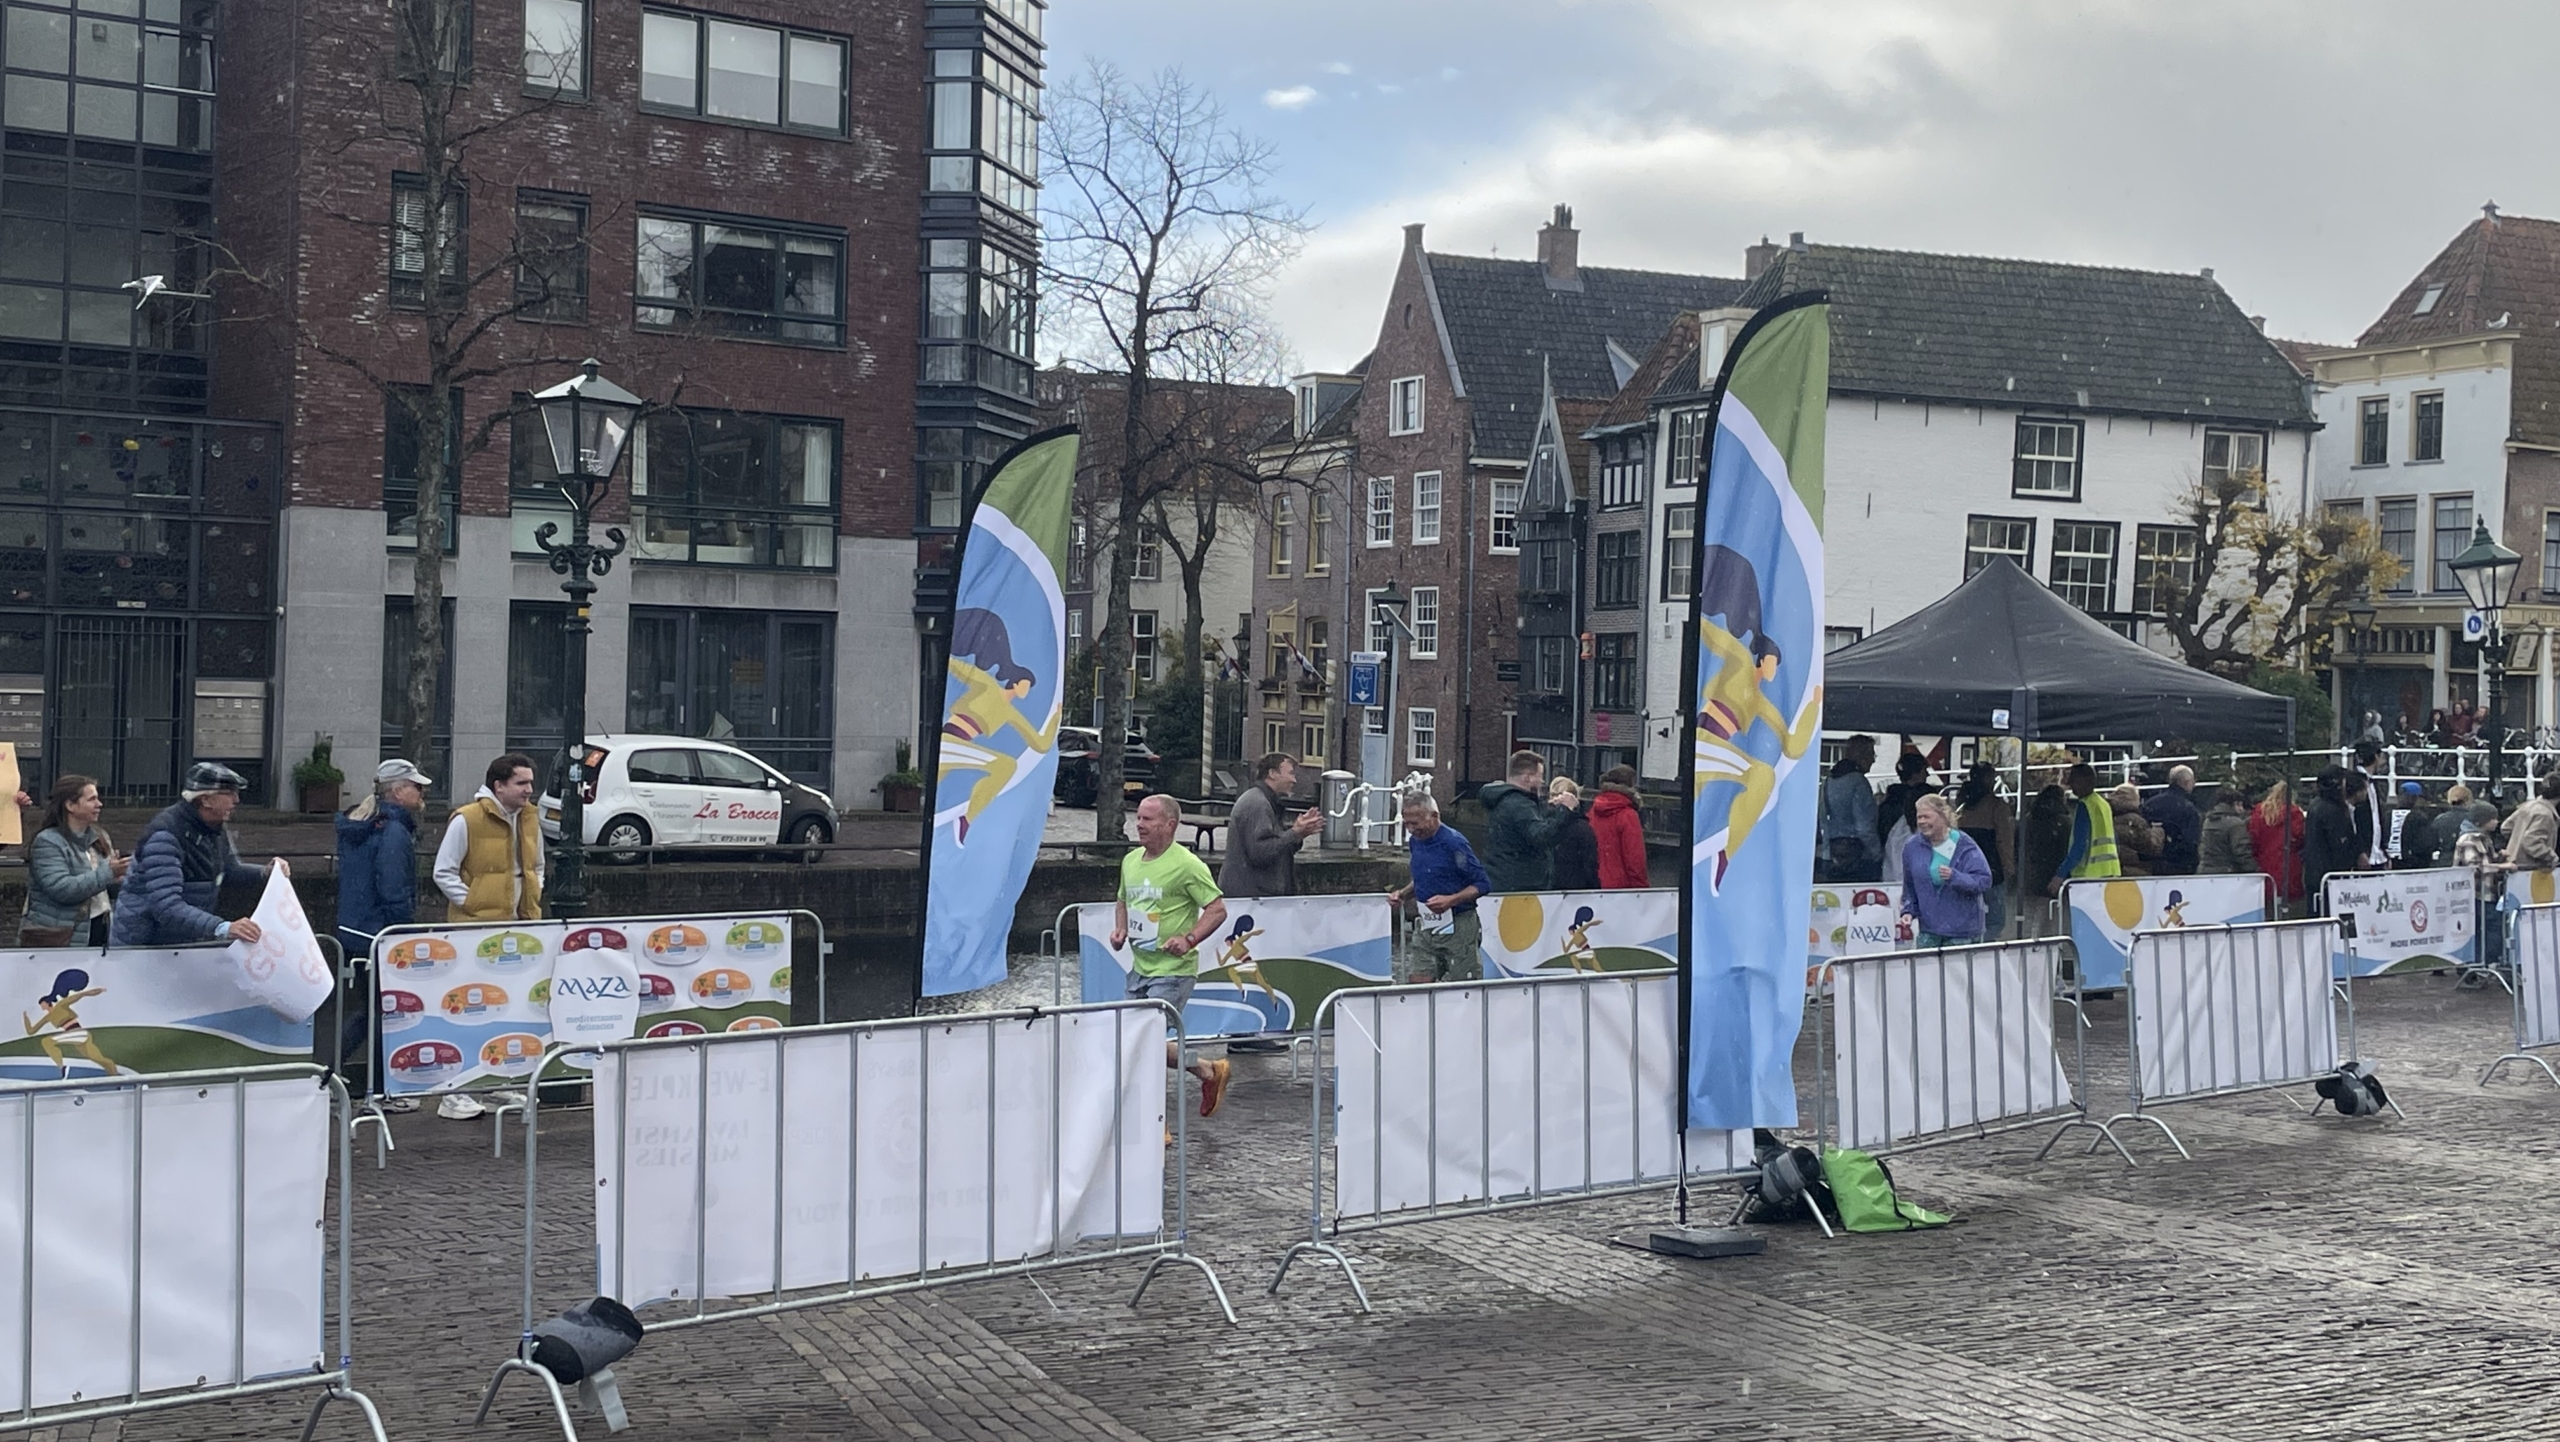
{"x":555,"y":46}
{"x":2164,"y":567}
{"x":755,"y":281}
{"x":1688,"y":444}
{"x":551,"y":255}
{"x":537,"y":657}
{"x":982,"y":125}
{"x":112,"y":72}
{"x":1613,"y":673}
{"x":2048,"y":460}
{"x":760,"y":680}
{"x":1622,"y":475}
{"x":2084,"y":564}
{"x":2373,"y":431}
{"x":1986,"y":537}
{"x":2452,"y":537}
{"x":733,"y":70}
{"x":978,"y":293}
{"x":401,"y":454}
{"x":1504,"y":539}
{"x":727,"y":489}
{"x":411,"y":239}
{"x":1620,"y":576}
{"x":2396,"y":519}
{"x":2426,"y":426}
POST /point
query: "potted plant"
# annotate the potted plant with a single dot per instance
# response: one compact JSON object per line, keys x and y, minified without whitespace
{"x":903,"y":789}
{"x":317,"y":779}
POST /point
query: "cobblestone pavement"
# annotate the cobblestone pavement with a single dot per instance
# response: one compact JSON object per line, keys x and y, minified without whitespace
{"x":2303,"y":1277}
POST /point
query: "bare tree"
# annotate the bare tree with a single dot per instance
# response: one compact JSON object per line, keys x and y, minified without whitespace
{"x":2263,"y":584}
{"x":1161,"y":241}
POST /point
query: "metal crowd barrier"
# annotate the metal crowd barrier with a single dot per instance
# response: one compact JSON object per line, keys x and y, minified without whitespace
{"x":789,"y":1265}
{"x":372,"y":1113}
{"x":1926,"y":1047}
{"x":1566,"y":1087}
{"x":2219,"y":1010}
{"x":172,"y":1344}
{"x":2533,"y":951}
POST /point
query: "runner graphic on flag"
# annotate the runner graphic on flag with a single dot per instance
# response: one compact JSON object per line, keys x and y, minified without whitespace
{"x":993,"y":754}
{"x":1755,"y":686}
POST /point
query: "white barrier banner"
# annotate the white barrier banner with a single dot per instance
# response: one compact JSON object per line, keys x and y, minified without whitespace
{"x":2537,"y":963}
{"x":1852,"y":918}
{"x":896,"y":1151}
{"x":89,"y":1013}
{"x":2533,"y":888}
{"x":2229,"y":1007}
{"x":284,"y":969}
{"x":464,"y":1006}
{"x":228,"y":1214}
{"x":1528,"y":932}
{"x":2105,"y":914}
{"x":1933,"y":1041}
{"x":2404,"y":920}
{"x":1272,"y":963}
{"x":1451,"y":1095}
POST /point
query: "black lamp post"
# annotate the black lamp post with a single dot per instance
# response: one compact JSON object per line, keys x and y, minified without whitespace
{"x":2360,"y":638}
{"x":2486,"y":573}
{"x":587,"y":418}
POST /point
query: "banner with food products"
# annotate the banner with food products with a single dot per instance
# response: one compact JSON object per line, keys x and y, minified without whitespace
{"x":86,"y":1013}
{"x":1852,"y":918}
{"x":471,"y":1006}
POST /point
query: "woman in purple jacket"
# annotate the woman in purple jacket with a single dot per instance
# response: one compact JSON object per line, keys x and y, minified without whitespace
{"x":1944,"y":877}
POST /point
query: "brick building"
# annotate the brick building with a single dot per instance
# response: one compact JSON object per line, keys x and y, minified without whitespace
{"x":803,"y":229}
{"x":1451,"y":403}
{"x":1301,"y":576}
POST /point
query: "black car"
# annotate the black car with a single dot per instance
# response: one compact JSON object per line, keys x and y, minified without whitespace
{"x":1079,"y":769}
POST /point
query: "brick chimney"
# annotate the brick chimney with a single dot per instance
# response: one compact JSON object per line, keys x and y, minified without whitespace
{"x":1559,"y":251}
{"x":1413,"y":236}
{"x":1757,"y":258}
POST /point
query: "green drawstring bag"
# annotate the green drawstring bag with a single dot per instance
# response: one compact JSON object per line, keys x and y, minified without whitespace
{"x":1862,"y":1193}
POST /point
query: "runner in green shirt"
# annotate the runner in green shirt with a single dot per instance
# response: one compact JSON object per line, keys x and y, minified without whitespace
{"x":1169,"y":904}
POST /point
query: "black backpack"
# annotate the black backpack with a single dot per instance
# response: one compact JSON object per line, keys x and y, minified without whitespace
{"x":2354,"y":1089}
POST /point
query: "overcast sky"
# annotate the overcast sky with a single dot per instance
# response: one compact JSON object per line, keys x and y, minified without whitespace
{"x":2315,"y":154}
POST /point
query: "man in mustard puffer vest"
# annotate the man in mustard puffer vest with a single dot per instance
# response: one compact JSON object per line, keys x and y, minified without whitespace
{"x":490,"y":865}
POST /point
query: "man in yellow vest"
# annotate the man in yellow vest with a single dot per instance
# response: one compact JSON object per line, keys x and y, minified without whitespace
{"x":490,"y":865}
{"x":2093,"y":832}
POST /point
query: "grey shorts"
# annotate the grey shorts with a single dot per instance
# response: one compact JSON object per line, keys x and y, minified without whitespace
{"x":1174,"y":991}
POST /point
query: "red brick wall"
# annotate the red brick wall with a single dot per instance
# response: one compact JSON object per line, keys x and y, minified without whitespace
{"x":306,"y":199}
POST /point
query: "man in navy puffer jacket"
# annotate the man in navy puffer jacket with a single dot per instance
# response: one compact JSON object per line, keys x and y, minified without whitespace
{"x":180,"y":865}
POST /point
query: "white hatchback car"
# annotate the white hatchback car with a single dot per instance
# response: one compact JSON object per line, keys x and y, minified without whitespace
{"x":682,"y":791}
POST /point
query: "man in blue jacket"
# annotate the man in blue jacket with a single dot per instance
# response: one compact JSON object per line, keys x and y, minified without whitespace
{"x":1448,"y":941}
{"x":182,"y":861}
{"x":377,"y":877}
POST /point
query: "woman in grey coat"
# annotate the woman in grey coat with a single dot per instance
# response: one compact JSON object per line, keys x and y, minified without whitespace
{"x":72,"y":870}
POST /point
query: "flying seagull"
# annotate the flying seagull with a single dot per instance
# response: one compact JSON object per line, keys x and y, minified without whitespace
{"x":145,"y":287}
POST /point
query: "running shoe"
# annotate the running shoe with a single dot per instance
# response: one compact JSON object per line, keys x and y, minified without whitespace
{"x":1213,"y":1087}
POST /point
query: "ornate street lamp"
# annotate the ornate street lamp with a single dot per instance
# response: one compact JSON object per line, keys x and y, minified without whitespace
{"x":587,"y":419}
{"x":2486,"y":573}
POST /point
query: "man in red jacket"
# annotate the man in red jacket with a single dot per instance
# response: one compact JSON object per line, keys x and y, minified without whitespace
{"x":1620,"y":829}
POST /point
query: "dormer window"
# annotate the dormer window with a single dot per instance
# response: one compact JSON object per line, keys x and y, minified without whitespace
{"x":2427,"y":301}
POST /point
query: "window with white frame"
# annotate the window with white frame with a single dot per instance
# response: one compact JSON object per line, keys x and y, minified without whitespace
{"x":1422,"y":736}
{"x":1382,"y":511}
{"x":1150,"y":559}
{"x":1986,"y":537}
{"x":1382,"y":632}
{"x":1320,"y":533}
{"x":1142,"y":647}
{"x":1426,"y":508}
{"x":1622,"y":476}
{"x":1404,"y":406}
{"x":2048,"y":460}
{"x":1426,"y":623}
{"x":2164,"y":567}
{"x":1311,"y":746}
{"x":1079,"y":556}
{"x":2452,"y":538}
{"x":2084,"y":564}
{"x":1373,"y":720}
{"x":1679,"y":551}
{"x":1284,"y":533}
{"x":1688,"y":446}
{"x":1275,"y":735}
{"x":1836,"y":637}
{"x":1075,"y":634}
{"x":1505,"y":537}
{"x":2230,"y":455}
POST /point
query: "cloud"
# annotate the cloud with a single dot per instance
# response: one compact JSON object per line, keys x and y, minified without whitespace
{"x":1337,"y":67}
{"x":1295,"y":97}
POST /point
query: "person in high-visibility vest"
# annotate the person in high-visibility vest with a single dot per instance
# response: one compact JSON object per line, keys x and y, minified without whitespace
{"x":2093,"y":832}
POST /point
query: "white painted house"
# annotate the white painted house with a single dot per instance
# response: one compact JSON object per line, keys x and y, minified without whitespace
{"x":1979,"y":407}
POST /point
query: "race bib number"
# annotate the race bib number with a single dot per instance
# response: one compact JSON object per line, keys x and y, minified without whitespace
{"x":1144,"y":932}
{"x":1440,"y":922}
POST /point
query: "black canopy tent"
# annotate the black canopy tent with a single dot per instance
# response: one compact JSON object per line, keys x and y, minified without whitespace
{"x":2001,"y":655}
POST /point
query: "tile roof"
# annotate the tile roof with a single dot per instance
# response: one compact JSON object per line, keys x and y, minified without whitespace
{"x":2502,"y":272}
{"x":1973,"y":329}
{"x":1673,"y":362}
{"x":1508,"y":330}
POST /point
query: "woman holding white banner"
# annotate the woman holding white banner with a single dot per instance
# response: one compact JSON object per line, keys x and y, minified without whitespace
{"x":1944,"y":877}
